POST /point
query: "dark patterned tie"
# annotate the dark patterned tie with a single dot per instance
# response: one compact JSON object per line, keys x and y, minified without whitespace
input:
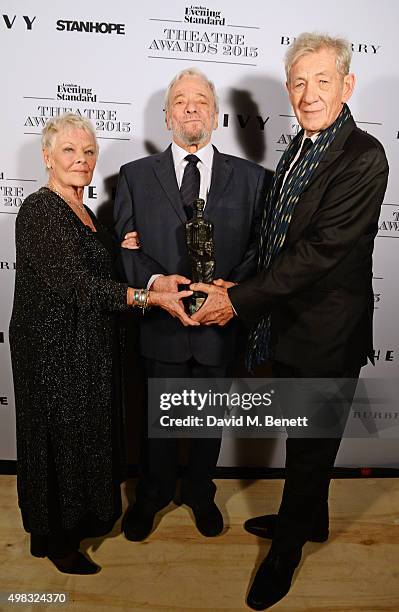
{"x":190,"y":184}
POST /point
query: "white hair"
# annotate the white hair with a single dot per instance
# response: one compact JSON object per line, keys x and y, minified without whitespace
{"x":191,"y":72}
{"x":63,"y":122}
{"x":310,"y":42}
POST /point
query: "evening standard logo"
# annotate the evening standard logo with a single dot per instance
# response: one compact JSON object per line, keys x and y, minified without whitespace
{"x":230,"y":46}
{"x":203,"y":15}
{"x":92,"y":27}
{"x":110,"y":118}
{"x":357,"y":47}
{"x":75,"y":93}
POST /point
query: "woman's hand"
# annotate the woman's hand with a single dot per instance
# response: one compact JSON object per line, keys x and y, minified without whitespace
{"x":131,"y":241}
{"x":171,"y":302}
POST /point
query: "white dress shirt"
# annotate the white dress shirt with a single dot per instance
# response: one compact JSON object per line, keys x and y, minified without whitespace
{"x":312,"y":138}
{"x":205,"y":155}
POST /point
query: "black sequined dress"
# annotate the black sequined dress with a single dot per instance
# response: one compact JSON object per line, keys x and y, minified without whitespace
{"x":64,"y":357}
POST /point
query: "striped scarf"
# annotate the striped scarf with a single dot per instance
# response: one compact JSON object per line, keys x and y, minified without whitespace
{"x":279,"y":208}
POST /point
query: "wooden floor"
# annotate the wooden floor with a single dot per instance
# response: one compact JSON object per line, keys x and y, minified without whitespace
{"x":178,"y":570}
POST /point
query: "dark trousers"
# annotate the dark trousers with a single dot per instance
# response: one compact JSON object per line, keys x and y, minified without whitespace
{"x":158,"y":465}
{"x":304,"y":504}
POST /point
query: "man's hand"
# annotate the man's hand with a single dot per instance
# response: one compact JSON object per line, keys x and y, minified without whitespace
{"x":219,"y":282}
{"x":131,"y":241}
{"x":169,"y":284}
{"x":217,"y":308}
{"x":171,"y":302}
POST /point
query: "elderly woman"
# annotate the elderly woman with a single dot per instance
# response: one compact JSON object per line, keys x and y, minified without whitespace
{"x":64,"y":354}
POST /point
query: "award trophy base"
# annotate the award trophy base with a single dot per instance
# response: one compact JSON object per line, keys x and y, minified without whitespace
{"x":195,"y":302}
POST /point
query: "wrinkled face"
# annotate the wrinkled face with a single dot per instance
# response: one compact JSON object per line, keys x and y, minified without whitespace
{"x":72,"y":158}
{"x":317,"y":91}
{"x":191,"y":114}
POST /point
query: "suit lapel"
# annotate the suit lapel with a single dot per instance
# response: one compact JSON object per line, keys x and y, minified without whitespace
{"x":221,"y":173}
{"x":165,"y":172}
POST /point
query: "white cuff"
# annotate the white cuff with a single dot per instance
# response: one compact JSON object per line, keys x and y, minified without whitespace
{"x":152,"y":279}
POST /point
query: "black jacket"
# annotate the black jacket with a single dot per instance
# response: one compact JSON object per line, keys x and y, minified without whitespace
{"x":319,"y":288}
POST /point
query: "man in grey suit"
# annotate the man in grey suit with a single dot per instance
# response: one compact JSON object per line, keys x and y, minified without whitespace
{"x":154,"y":198}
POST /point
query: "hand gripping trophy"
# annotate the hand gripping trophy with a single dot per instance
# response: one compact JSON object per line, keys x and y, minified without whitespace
{"x":201,"y":250}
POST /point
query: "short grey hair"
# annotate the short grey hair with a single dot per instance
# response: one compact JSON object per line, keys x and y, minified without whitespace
{"x":191,"y":72}
{"x":63,"y":122}
{"x":310,"y":42}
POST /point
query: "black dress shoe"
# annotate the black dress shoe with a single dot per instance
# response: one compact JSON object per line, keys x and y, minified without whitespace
{"x":273,"y":579}
{"x":137,"y":523}
{"x":208,"y":519}
{"x":265,"y":526}
{"x":75,"y":563}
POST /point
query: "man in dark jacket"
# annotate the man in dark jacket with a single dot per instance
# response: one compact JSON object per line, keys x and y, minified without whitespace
{"x":311,"y":302}
{"x":154,"y":198}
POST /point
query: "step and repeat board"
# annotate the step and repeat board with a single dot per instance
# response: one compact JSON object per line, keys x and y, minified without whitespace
{"x":111,"y":62}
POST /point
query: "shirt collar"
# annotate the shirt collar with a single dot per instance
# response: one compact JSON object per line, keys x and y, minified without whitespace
{"x":205,"y":154}
{"x":312,"y":138}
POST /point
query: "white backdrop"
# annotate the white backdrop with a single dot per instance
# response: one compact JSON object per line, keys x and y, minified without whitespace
{"x":111,"y":61}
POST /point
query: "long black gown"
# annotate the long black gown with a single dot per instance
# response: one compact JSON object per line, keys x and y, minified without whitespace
{"x":64,"y":350}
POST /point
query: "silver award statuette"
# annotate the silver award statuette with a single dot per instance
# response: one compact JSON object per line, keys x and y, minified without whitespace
{"x":201,"y":251}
